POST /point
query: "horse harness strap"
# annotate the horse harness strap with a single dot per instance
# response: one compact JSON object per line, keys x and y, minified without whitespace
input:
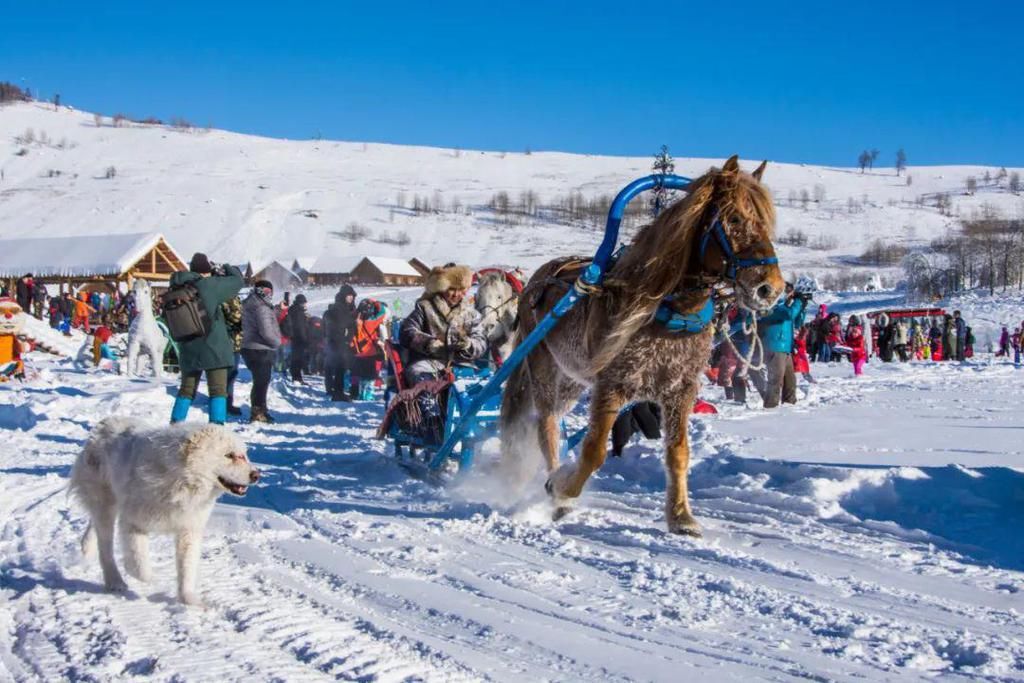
{"x":732,"y":262}
{"x":684,"y":323}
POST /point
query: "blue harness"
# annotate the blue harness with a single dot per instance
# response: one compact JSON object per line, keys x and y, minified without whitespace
{"x":684,"y":323}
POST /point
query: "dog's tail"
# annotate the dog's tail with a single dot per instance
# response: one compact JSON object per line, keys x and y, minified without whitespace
{"x":89,"y":542}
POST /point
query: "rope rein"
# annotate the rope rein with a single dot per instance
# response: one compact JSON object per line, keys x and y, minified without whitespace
{"x":746,"y":362}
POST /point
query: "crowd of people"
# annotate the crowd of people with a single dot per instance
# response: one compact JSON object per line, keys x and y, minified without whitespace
{"x":347,"y":344}
{"x":784,"y":344}
{"x":84,"y":309}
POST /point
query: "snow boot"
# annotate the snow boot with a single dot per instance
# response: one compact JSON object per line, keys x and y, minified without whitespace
{"x":218,"y":409}
{"x":233,"y":409}
{"x":260,"y":415}
{"x":180,"y":410}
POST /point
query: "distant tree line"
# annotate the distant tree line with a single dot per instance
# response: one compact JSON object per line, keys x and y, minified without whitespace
{"x":866,"y":160}
{"x":9,"y":92}
{"x":987,"y":252}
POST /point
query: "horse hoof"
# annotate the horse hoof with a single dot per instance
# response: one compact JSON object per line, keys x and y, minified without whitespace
{"x":686,"y":526}
{"x":560,"y":512}
{"x":558,"y":482}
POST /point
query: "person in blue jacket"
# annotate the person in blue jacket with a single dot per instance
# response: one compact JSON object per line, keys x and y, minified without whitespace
{"x":779,"y":328}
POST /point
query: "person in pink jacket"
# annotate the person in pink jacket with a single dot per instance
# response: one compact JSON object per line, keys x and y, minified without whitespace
{"x":855,"y":340}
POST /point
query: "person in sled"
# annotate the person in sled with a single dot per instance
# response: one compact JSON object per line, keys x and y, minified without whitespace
{"x":443,"y":330}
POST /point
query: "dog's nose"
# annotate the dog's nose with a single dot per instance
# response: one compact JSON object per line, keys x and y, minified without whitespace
{"x":254,"y":476}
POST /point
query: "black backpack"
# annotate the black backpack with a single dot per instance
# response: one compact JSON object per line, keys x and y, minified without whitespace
{"x":286,"y":325}
{"x":185,"y":313}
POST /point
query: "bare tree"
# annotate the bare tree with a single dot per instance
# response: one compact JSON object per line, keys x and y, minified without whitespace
{"x":901,"y":161}
{"x":873,"y":156}
{"x":805,"y":198}
{"x":863,"y":160}
{"x":663,"y":164}
{"x":97,"y":119}
{"x":819,"y":193}
{"x":972,"y":184}
{"x":1014,"y":184}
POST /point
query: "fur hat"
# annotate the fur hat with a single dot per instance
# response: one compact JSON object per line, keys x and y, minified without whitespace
{"x":448,"y":276}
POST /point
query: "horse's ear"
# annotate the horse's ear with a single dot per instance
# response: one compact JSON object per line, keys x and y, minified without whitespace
{"x":732,"y":164}
{"x":760,"y":170}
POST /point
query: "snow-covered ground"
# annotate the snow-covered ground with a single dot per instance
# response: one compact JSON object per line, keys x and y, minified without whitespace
{"x":245,"y":198}
{"x":871,"y":532}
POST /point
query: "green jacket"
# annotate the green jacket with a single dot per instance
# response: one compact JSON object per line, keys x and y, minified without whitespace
{"x":216,"y":349}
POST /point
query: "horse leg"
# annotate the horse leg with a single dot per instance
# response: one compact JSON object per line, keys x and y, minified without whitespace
{"x":549,"y":438}
{"x":156,"y":358}
{"x":678,"y":515}
{"x":568,"y":480}
{"x":133,"y":356}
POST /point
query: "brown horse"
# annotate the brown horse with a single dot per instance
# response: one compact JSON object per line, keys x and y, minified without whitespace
{"x":612,"y":342}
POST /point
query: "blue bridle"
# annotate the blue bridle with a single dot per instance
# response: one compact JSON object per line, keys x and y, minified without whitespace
{"x":691,"y":323}
{"x":732,"y":262}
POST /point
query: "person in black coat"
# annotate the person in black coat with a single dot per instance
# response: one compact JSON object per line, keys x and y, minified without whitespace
{"x":298,"y":332}
{"x":340,"y":328}
{"x":24,"y":293}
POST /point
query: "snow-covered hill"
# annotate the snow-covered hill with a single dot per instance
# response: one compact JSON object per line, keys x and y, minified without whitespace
{"x":246,"y":198}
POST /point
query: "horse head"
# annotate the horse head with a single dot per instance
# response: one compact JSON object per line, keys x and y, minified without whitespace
{"x":143,"y":295}
{"x":736,"y":218}
{"x":716,"y":240}
{"x":497,"y":303}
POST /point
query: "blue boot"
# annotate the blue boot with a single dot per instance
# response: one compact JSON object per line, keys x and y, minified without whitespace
{"x":180,"y":410}
{"x":218,"y":409}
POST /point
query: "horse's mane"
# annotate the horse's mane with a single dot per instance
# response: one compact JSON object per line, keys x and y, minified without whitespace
{"x":664,"y":251}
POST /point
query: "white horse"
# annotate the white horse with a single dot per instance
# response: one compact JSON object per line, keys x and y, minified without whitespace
{"x":498,"y":304}
{"x":144,"y":335}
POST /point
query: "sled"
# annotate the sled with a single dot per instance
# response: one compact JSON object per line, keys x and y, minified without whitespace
{"x":474,"y":405}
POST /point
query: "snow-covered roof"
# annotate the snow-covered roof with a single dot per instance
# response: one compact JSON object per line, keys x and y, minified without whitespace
{"x":85,"y":256}
{"x":334,"y":262}
{"x":345,"y":263}
{"x":393,"y":266}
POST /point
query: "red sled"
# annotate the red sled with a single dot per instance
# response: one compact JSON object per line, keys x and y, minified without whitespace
{"x":704,"y":408}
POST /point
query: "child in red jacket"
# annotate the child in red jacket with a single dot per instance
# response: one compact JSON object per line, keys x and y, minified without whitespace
{"x":858,"y":355}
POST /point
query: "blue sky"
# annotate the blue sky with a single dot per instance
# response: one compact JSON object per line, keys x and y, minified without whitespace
{"x":788,"y":81}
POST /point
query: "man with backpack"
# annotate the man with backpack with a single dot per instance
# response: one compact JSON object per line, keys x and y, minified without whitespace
{"x":195,"y":319}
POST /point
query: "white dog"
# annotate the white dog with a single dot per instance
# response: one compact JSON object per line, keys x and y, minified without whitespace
{"x":155,"y":480}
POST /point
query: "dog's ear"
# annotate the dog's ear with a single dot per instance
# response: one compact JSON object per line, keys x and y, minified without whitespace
{"x":198,"y":440}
